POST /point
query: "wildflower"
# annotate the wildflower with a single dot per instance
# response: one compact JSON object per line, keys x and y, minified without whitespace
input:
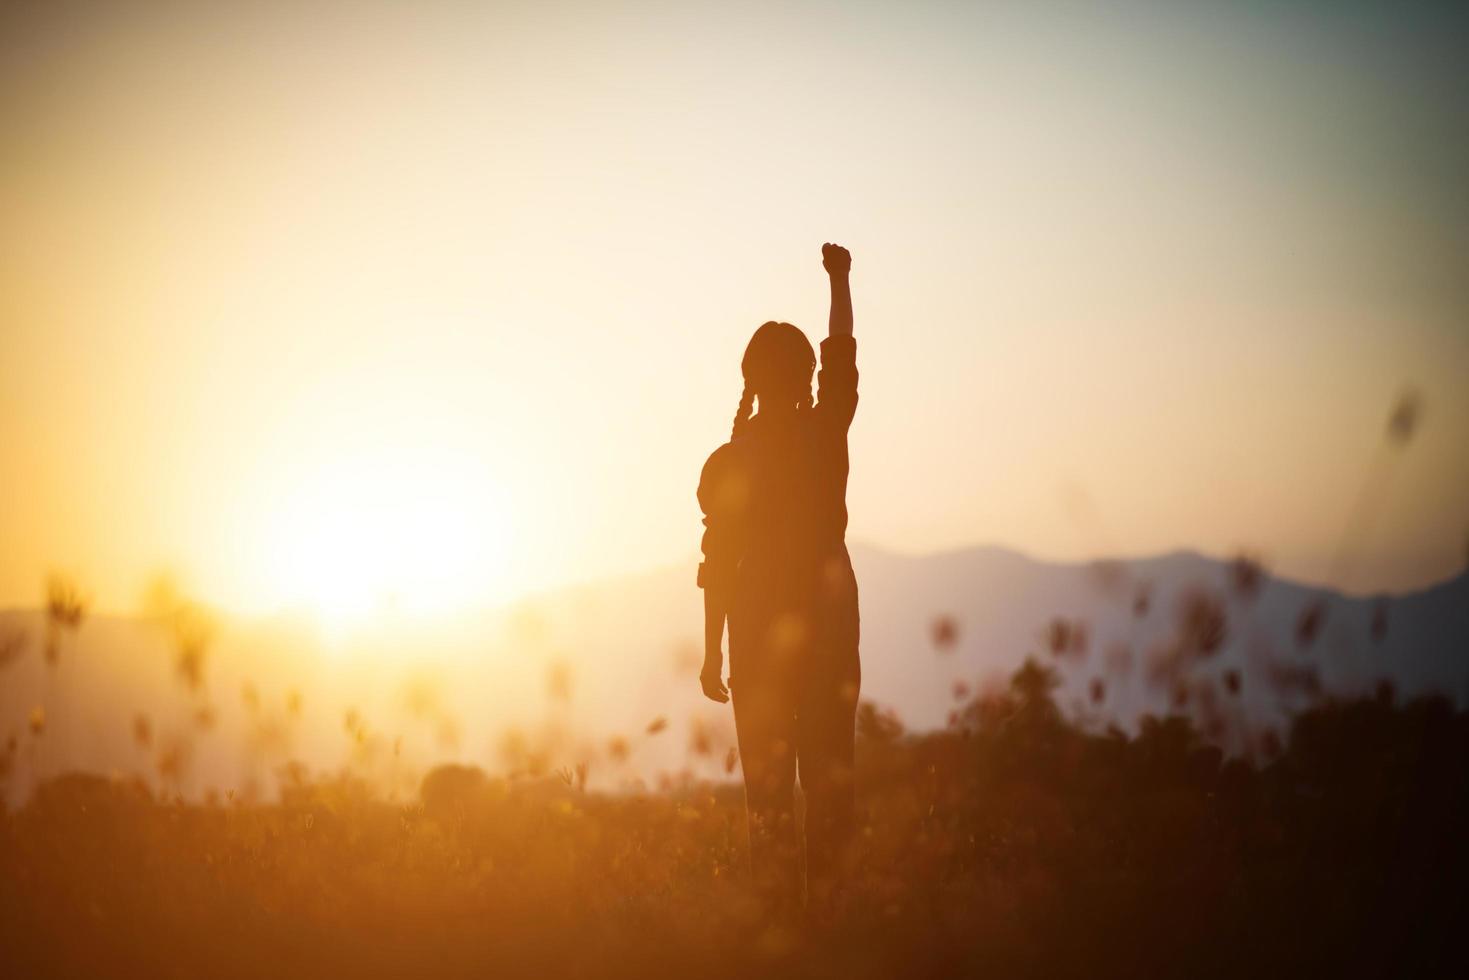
{"x":65,"y":609}
{"x":1246,"y":576}
{"x":1309,"y":623}
{"x":193,"y":628}
{"x":1109,"y":575}
{"x":12,"y":645}
{"x":944,"y":632}
{"x":700,"y":742}
{"x":1058,"y":636}
{"x":1403,"y":421}
{"x":173,"y":760}
{"x":1201,"y":623}
{"x":66,"y":606}
{"x":1066,"y":637}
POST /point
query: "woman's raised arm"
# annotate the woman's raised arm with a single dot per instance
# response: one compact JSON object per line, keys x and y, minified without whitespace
{"x":838,"y":262}
{"x":836,"y":382}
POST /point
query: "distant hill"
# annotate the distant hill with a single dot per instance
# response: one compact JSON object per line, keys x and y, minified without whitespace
{"x":625,"y":651}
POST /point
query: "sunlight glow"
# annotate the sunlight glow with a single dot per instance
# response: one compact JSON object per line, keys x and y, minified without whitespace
{"x":394,"y":533}
{"x":1182,"y":260}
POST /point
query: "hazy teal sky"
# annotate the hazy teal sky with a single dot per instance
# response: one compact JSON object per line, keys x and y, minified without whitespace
{"x":450,"y":297}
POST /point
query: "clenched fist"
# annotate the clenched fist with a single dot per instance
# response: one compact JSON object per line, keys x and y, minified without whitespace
{"x":838,"y":261}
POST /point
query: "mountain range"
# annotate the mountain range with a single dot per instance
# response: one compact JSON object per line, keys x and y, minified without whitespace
{"x":561,"y":675}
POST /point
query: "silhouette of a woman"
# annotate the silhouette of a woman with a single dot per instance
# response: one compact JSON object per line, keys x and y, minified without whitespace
{"x":776,"y":568}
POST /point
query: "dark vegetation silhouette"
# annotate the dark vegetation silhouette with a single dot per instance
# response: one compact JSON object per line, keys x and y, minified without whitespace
{"x":1012,"y":843}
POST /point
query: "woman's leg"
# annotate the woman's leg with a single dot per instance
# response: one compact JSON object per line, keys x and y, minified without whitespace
{"x":827,"y":712}
{"x":826,"y":726}
{"x":765,"y":725}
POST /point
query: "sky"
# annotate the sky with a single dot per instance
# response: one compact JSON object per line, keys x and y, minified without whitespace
{"x":434,"y":305}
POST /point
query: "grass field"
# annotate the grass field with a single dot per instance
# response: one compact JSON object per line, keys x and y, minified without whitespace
{"x":1012,"y":844}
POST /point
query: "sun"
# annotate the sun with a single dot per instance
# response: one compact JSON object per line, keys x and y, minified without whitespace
{"x":410,"y":532}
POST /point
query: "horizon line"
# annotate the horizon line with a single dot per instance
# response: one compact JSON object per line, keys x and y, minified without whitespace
{"x":304,"y":613}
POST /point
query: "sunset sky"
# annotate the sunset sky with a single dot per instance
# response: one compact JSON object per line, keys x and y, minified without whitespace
{"x":316,"y":304}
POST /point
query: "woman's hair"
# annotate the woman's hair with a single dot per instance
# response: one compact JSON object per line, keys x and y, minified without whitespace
{"x":778,"y":366}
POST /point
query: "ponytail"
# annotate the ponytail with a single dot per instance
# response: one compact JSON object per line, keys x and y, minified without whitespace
{"x":742,"y":414}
